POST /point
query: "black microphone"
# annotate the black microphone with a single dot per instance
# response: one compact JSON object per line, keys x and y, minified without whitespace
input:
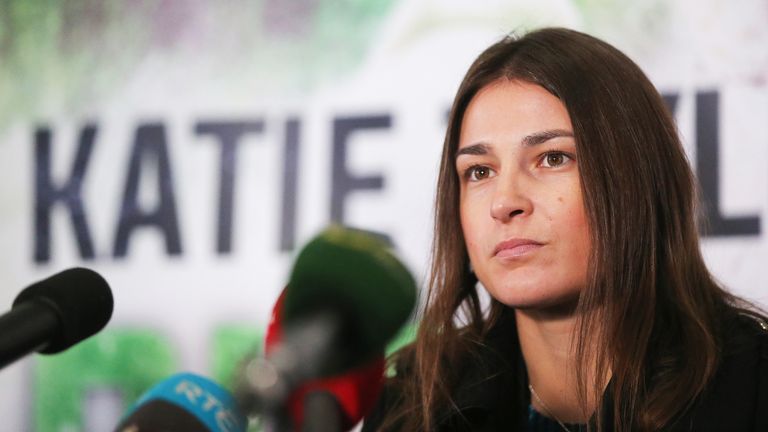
{"x":52,"y":315}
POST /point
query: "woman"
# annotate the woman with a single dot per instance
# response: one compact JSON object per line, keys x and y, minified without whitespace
{"x":565,"y":192}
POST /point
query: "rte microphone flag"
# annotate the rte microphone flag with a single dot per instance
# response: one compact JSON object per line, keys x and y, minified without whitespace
{"x":184,"y":402}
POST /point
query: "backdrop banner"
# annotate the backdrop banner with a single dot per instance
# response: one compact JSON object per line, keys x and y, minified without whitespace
{"x":187,"y":149}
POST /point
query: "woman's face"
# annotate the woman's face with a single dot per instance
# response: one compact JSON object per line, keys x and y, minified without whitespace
{"x":520,"y":198}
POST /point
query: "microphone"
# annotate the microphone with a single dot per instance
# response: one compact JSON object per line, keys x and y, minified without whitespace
{"x":336,"y":403}
{"x":52,"y":315}
{"x":184,"y":402}
{"x":347,"y":296}
{"x":350,"y":281}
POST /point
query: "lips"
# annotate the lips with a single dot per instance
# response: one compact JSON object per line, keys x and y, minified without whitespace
{"x":514,"y":248}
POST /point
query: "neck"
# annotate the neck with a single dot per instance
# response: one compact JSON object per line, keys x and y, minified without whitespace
{"x":547,"y":344}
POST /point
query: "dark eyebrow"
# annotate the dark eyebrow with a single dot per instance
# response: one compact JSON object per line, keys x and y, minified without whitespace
{"x":474,"y":149}
{"x":531,"y":140}
{"x":544,"y":136}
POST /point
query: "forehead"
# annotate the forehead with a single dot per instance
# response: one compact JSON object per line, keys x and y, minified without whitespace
{"x":507,"y":111}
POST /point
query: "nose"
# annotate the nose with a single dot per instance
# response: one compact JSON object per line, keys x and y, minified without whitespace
{"x":510,"y":200}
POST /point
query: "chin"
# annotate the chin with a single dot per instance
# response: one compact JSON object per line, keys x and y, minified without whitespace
{"x":535,"y":297}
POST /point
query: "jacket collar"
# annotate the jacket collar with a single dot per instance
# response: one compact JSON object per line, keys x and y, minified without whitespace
{"x":492,"y":387}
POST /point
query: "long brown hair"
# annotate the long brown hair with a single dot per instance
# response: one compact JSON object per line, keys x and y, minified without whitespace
{"x":654,"y":310}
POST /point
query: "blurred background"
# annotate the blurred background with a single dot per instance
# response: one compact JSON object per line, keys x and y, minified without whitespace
{"x":187,"y":149}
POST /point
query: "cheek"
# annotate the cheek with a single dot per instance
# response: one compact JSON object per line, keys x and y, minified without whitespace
{"x":572,"y":210}
{"x":568,"y":222}
{"x":576,"y":229}
{"x":576,"y":220}
{"x":471,"y":223}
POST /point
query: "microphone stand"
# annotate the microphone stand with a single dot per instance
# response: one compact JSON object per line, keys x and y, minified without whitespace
{"x":322,"y":413}
{"x":26,"y":328}
{"x":268,"y":382}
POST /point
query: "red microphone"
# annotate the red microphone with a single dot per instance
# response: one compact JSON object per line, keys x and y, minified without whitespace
{"x":355,"y":390}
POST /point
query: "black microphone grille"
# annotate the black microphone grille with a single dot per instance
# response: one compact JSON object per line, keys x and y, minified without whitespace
{"x":80,"y":297}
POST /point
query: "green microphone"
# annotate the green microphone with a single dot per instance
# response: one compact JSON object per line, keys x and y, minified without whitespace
{"x":349,"y":286}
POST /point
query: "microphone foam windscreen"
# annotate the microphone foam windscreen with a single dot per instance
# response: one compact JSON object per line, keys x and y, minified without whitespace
{"x":80,"y":297}
{"x":353,"y":274}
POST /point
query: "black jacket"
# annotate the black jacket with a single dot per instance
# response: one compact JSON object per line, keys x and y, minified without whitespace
{"x":492,"y":392}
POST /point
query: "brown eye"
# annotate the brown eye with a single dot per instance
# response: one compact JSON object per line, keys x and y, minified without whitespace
{"x":478,"y":172}
{"x":481,"y":172}
{"x":554,"y":159}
